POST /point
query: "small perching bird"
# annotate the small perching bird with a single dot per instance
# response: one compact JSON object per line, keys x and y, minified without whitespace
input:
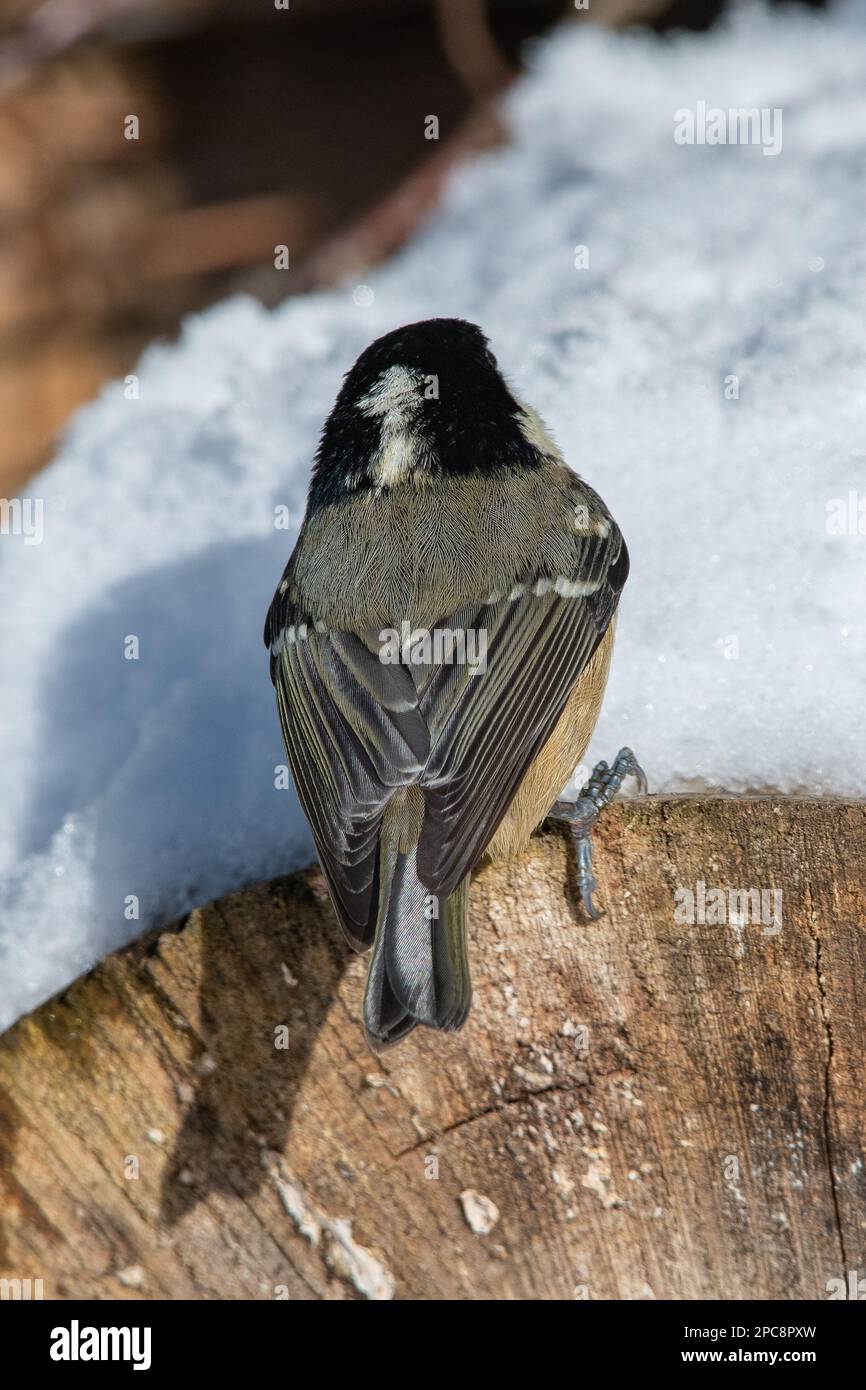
{"x":440,"y":643}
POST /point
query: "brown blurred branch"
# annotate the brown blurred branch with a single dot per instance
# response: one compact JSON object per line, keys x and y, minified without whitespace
{"x":470,"y":47}
{"x":53,"y":27}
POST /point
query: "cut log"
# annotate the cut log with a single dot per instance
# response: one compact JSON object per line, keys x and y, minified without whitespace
{"x":639,"y":1107}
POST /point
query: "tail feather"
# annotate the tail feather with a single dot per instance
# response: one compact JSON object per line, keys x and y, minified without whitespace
{"x":419,"y":971}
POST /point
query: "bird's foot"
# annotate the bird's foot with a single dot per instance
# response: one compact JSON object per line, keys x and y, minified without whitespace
{"x":581,"y":815}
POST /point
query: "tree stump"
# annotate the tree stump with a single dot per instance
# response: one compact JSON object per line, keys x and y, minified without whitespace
{"x":638,"y":1107}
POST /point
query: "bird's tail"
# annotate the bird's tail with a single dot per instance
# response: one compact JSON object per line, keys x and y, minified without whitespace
{"x":419,"y":970}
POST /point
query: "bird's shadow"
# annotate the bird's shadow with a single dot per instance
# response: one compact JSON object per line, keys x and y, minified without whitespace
{"x":170,"y":758}
{"x":263,"y":1000}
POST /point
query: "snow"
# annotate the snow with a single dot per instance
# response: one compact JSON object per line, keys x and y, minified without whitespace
{"x":740,"y":651}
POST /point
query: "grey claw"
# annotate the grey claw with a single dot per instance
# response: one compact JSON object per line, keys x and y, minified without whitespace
{"x":586,"y":883}
{"x":632,"y":768}
{"x":589,"y":907}
{"x":581,"y":816}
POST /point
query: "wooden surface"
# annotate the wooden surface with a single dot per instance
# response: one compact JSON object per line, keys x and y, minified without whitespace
{"x":703,"y":1138}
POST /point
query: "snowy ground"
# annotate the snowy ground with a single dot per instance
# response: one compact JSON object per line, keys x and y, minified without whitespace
{"x":740,"y":657}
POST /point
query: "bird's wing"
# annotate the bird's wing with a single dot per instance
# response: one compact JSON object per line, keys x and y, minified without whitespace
{"x":355,"y":728}
{"x":353,"y":733}
{"x":486,"y":729}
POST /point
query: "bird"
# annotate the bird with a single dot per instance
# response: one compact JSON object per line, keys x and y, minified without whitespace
{"x":439,"y":644}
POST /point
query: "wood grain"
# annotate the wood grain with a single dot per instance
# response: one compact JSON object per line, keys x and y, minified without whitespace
{"x":702,"y":1138}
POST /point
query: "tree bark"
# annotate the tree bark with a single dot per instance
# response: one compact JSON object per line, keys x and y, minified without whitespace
{"x":638,"y":1107}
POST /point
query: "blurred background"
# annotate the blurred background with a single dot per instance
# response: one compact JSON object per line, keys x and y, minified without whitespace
{"x":258,"y":123}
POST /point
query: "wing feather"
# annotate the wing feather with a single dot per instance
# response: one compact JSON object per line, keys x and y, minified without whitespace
{"x":356,"y":728}
{"x":353,"y":733}
{"x":484,"y":743}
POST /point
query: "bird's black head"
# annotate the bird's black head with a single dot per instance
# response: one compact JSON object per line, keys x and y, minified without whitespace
{"x":427,"y":398}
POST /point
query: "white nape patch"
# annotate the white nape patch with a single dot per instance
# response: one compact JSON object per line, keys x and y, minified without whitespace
{"x":395,"y":392}
{"x":397,"y":458}
{"x":395,"y":399}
